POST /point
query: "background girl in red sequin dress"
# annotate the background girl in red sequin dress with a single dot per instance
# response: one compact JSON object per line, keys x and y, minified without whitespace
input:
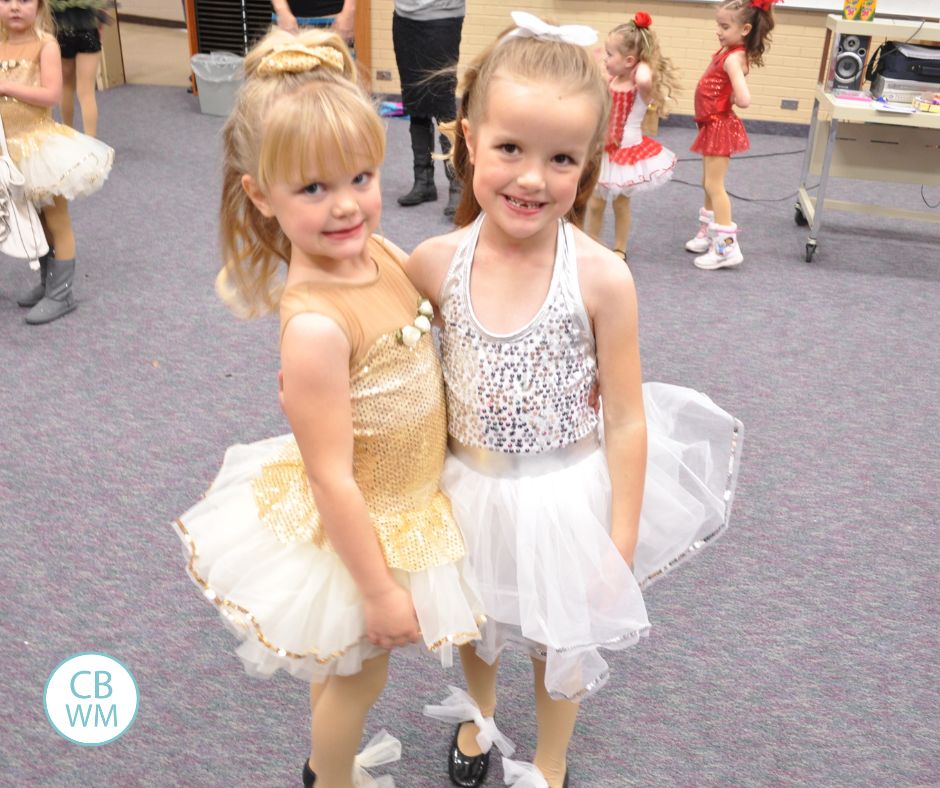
{"x":744,"y":28}
{"x":639,"y":77}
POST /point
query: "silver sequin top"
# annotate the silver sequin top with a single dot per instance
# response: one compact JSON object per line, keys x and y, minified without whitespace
{"x":523,"y":392}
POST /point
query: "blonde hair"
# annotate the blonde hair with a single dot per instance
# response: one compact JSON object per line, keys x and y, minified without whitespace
{"x":643,"y":44}
{"x":535,"y":60}
{"x":757,"y":41}
{"x":302,"y":110}
{"x":44,"y":25}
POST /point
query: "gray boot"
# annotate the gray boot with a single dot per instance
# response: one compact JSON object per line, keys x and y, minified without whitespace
{"x":58,"y":299}
{"x":34,"y":295}
{"x":453,"y":185}
{"x":422,"y":146}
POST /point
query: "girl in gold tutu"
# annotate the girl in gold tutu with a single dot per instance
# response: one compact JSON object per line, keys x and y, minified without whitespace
{"x":58,"y":163}
{"x":326,"y":548}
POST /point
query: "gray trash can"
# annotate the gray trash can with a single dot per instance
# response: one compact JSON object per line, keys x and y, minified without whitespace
{"x":218,"y":77}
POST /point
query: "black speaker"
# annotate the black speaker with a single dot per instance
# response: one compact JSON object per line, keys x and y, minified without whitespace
{"x":848,"y":66}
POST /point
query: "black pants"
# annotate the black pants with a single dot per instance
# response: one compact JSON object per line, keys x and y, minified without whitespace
{"x":423,"y":50}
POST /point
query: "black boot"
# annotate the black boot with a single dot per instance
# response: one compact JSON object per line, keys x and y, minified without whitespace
{"x":34,"y":295}
{"x":422,"y":146}
{"x":453,"y":185}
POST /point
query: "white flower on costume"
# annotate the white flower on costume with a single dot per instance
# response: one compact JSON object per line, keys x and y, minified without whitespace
{"x":410,"y":336}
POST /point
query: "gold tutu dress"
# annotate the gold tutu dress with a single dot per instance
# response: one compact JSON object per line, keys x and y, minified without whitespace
{"x":55,"y":160}
{"x":255,"y":545}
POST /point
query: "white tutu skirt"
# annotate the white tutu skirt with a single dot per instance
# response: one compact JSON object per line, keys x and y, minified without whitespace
{"x":627,"y":179}
{"x":294,"y":605}
{"x":60,"y":162}
{"x":540,"y":551}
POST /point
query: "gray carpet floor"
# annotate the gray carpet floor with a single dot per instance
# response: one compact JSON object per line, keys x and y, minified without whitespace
{"x":802,"y":649}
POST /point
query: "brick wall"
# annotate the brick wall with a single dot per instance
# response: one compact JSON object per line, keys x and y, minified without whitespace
{"x":686,"y":32}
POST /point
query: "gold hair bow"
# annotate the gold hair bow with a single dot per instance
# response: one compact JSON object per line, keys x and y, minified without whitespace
{"x":297,"y":58}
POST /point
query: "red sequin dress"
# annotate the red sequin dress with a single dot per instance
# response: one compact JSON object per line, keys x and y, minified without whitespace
{"x":720,"y":131}
{"x":631,"y":162}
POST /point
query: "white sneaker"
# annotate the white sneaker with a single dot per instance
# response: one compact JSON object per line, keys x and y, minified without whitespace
{"x":701,"y":242}
{"x":724,"y":252}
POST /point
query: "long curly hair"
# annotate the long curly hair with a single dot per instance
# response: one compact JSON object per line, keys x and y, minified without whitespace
{"x":532,"y":60}
{"x":311,"y":119}
{"x":643,"y":44}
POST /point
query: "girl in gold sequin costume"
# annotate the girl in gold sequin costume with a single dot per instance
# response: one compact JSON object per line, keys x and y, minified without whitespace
{"x":58,"y":163}
{"x":567,"y":513}
{"x":326,"y":548}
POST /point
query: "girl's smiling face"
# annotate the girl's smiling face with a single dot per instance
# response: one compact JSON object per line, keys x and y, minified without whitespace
{"x":528,"y":151}
{"x":326,"y":217}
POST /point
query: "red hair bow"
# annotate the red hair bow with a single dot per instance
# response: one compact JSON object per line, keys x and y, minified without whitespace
{"x":643,"y":20}
{"x":764,"y":5}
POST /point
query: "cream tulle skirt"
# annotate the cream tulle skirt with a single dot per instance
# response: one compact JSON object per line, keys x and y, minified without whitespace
{"x":539,"y":546}
{"x":294,"y":606}
{"x":57,"y":161}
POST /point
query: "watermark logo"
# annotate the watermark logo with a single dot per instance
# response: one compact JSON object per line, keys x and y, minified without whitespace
{"x":91,"y":699}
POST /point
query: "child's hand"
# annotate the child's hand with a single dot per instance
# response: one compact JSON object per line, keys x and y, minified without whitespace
{"x":626,"y":546}
{"x":391,"y":619}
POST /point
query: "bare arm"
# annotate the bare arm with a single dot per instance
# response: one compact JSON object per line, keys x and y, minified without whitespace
{"x":643,"y":79}
{"x":315,"y":397}
{"x":285,"y":18}
{"x":427,"y":266}
{"x":49,"y":90}
{"x":345,"y":21}
{"x":611,"y":300}
{"x":735,"y":67}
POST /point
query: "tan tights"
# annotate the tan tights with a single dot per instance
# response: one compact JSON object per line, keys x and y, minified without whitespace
{"x":339,"y":706}
{"x":555,"y":718}
{"x":594,"y":220}
{"x":79,"y":75}
{"x":58,"y":227}
{"x":714,"y":170}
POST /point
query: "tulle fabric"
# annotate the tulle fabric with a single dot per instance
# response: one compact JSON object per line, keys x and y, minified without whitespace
{"x":382,"y":749}
{"x":293,"y":605}
{"x":643,"y":175}
{"x":58,"y":161}
{"x":521,"y":774}
{"x":459,"y":707}
{"x":551,"y":578}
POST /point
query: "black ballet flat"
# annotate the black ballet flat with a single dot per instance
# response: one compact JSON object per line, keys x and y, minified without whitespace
{"x":466,"y":771}
{"x":309,"y":776}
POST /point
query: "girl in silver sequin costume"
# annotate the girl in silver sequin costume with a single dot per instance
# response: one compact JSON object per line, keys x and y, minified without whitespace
{"x":567,"y":512}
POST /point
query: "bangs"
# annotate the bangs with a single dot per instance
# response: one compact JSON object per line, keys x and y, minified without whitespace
{"x":320,"y":131}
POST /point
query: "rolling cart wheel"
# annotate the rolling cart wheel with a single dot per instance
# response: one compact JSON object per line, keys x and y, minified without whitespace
{"x":810,"y":251}
{"x":798,"y":216}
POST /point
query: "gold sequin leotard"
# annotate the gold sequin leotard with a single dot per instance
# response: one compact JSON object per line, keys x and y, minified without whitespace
{"x":55,"y":160}
{"x":289,"y":594}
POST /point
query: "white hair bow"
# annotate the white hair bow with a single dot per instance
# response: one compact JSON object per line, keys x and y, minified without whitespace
{"x":530,"y":26}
